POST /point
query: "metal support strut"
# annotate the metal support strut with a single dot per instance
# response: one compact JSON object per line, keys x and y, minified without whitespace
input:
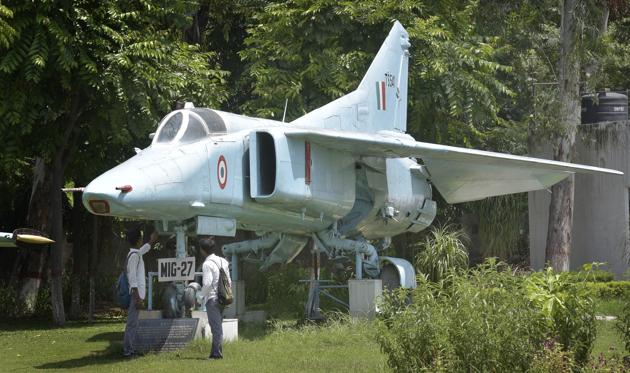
{"x":365,"y":255}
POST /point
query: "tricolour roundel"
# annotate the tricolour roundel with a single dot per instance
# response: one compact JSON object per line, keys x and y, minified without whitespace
{"x":222,"y":171}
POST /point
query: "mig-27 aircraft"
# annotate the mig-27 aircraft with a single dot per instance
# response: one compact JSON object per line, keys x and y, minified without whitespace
{"x":345,"y":175}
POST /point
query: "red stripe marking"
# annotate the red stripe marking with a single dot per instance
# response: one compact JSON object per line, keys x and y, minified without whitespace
{"x":307,"y":162}
{"x":383,"y":98}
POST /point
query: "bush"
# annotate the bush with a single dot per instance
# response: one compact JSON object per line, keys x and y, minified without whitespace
{"x":285,"y":294}
{"x":479,"y":321}
{"x":591,"y":276}
{"x":487,"y":319}
{"x":568,"y":310}
{"x":623,"y":324}
{"x":8,"y":299}
{"x":552,"y":359}
{"x":614,"y":362}
{"x":443,"y":250}
{"x":608,"y":290}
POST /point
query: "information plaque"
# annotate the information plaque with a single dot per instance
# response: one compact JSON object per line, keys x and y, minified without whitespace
{"x":176,"y":269}
{"x":161,"y":335}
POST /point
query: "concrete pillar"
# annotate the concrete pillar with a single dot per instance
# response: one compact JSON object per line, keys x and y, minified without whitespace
{"x":230,"y":327}
{"x":364,"y":295}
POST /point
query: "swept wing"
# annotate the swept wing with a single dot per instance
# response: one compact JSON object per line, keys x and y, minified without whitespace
{"x":459,"y":174}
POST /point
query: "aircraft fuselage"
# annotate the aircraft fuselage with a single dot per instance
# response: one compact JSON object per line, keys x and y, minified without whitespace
{"x":253,"y":175}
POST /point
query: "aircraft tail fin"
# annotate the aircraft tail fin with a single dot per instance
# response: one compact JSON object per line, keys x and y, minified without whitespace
{"x":380,"y":101}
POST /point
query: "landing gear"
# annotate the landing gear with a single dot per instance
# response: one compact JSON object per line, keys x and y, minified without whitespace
{"x":173,"y":299}
{"x":335,"y":246}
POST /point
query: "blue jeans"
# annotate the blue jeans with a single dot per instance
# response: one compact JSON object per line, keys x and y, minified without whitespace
{"x":130,"y":328}
{"x":215,"y":320}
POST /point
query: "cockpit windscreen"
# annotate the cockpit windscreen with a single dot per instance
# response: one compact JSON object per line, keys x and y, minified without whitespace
{"x":188,"y":125}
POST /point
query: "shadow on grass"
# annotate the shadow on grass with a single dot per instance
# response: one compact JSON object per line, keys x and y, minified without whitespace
{"x":111,"y":354}
{"x":25,"y":324}
{"x":253,"y":331}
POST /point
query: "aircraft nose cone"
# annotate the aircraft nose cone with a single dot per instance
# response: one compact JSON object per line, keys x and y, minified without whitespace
{"x":121,"y":191}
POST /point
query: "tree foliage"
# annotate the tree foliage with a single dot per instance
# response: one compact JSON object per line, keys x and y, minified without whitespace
{"x":313,"y":51}
{"x":117,"y":66}
{"x":86,"y":70}
{"x":83,"y":81}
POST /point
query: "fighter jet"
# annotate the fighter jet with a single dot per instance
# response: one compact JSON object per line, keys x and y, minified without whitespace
{"x":346,"y":175}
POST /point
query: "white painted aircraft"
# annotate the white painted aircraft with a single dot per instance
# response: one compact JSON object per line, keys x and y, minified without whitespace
{"x":345,"y":175}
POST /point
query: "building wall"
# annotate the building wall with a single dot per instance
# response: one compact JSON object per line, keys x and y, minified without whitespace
{"x":600,"y":220}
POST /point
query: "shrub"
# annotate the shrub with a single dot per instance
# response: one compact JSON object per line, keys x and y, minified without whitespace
{"x":442,"y":250}
{"x":285,"y":294}
{"x":10,"y":307}
{"x":614,"y":362}
{"x":488,"y":318}
{"x":623,"y":324}
{"x":553,"y":358}
{"x":608,"y":290}
{"x":568,"y":309}
{"x":479,"y":321}
{"x":591,"y":276}
{"x":8,"y":299}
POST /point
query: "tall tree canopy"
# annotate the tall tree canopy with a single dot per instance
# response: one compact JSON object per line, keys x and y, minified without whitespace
{"x":313,"y":51}
{"x":83,"y":81}
{"x":90,"y":69}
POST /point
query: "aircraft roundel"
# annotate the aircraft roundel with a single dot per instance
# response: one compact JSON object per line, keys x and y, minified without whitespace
{"x":222,"y":171}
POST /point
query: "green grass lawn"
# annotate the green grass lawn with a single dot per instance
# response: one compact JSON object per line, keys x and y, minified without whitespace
{"x":608,"y":307}
{"x":608,"y":340}
{"x":284,"y":347}
{"x":278,"y":347}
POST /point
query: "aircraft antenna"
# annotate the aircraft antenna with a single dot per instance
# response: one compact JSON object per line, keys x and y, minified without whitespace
{"x":284,"y":115}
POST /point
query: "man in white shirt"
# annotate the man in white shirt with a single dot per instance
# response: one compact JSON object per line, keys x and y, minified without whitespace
{"x":137,"y":284}
{"x":209,"y":290}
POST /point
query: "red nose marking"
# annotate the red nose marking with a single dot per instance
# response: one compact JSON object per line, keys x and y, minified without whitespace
{"x":124,"y":188}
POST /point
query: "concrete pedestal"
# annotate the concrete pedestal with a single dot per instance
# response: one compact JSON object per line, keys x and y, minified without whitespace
{"x":237,"y":308}
{"x":363,"y":296}
{"x":230,"y":327}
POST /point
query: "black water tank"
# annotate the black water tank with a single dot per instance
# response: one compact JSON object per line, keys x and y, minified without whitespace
{"x":611,"y":106}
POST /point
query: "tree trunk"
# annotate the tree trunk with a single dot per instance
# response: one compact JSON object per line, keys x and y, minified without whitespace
{"x":92,"y":268}
{"x":80,"y":243}
{"x":56,"y":263}
{"x":29,"y":266}
{"x":561,"y":206}
{"x":75,"y":290}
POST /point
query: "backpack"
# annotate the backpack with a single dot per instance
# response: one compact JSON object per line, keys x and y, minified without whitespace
{"x":123,"y":297}
{"x":224,"y":290}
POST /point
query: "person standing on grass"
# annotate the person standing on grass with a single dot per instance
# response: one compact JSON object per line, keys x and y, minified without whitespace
{"x":211,"y":270}
{"x":137,"y":284}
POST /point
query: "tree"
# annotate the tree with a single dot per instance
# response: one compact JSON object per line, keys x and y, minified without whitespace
{"x":561,"y":206}
{"x":86,"y":70}
{"x":314,"y":51}
{"x":577,"y":38}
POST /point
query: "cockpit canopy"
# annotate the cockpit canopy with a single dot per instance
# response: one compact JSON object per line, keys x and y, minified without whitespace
{"x":187,"y":126}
